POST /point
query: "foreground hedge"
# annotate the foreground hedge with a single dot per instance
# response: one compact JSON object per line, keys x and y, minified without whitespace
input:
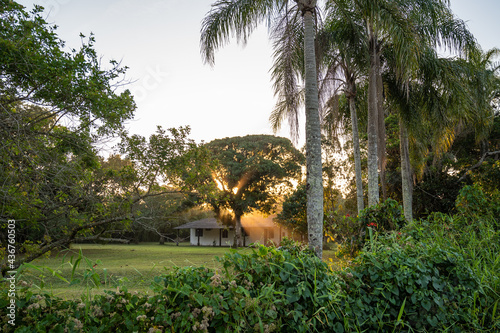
{"x":441,"y":274}
{"x":397,"y":284}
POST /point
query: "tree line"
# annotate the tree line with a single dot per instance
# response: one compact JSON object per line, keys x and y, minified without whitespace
{"x":374,"y":83}
{"x":374,"y":63}
{"x":58,"y":107}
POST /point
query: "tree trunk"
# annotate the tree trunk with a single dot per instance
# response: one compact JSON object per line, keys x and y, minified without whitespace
{"x":355,"y":140}
{"x":406,"y":183}
{"x":373,"y":189}
{"x":314,"y":177}
{"x":237,"y":231}
{"x":381,"y":143}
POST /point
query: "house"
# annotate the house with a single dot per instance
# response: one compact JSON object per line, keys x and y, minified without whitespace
{"x":256,"y":229}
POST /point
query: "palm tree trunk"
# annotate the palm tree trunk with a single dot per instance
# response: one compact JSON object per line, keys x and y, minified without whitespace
{"x":406,"y":183}
{"x":381,"y":143}
{"x":314,"y":177}
{"x":373,"y":189}
{"x":355,"y":140}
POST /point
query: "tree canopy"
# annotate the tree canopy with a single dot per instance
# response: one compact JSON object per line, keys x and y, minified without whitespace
{"x":251,"y":172}
{"x":35,"y":68}
{"x":55,"y":108}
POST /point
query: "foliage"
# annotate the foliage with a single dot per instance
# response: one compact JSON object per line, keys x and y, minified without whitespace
{"x":294,"y":211}
{"x":304,"y":290}
{"x":436,"y":192}
{"x":468,"y":162}
{"x":385,"y":216}
{"x":78,"y":196}
{"x":433,"y":275}
{"x":269,"y":290}
{"x":51,"y":176}
{"x":403,"y":282}
{"x":475,"y":206}
{"x":36,"y":69}
{"x":250,"y":170}
{"x":415,"y":280}
{"x":346,"y":230}
{"x":251,"y":173}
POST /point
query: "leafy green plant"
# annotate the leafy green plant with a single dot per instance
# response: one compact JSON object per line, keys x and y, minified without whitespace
{"x":418,"y":279}
{"x":474,"y":205}
{"x":353,"y":231}
{"x":384,"y":216}
{"x":286,"y":289}
{"x":433,"y":283}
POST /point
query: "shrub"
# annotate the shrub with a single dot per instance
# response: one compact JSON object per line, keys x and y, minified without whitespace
{"x":118,"y":311}
{"x":384,"y":216}
{"x":304,"y":292}
{"x":284,"y":290}
{"x":401,"y":282}
{"x":473,"y":205}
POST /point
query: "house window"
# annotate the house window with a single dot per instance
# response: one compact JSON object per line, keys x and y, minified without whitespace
{"x":198,"y":233}
{"x":270,"y":233}
{"x":225,"y":233}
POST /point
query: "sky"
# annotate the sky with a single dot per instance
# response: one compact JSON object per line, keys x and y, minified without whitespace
{"x":159,"y":41}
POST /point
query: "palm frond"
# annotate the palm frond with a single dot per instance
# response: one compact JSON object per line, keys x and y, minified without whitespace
{"x":236,"y":18}
{"x":287,"y":70}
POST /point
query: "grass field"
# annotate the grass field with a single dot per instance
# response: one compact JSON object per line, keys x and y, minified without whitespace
{"x":105,"y":267}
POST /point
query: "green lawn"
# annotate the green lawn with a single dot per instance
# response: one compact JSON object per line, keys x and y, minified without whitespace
{"x":132,"y":266}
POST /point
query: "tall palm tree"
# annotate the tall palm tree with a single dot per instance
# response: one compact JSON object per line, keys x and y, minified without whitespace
{"x":342,"y":35}
{"x":434,"y":87}
{"x":386,"y":23}
{"x":339,"y":56}
{"x":240,"y":17}
{"x":435,"y":105}
{"x":403,"y":27}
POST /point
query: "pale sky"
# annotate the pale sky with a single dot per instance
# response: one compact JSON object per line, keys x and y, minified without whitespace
{"x":159,"y":41}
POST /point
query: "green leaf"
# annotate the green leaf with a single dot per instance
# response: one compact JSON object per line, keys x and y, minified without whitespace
{"x":338,"y":327}
{"x":437,"y":285}
{"x":433,"y":321}
{"x":426,"y":304}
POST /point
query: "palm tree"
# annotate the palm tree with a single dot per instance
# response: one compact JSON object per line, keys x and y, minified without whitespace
{"x":435,"y":105}
{"x":342,"y":35}
{"x":240,"y":17}
{"x":386,"y":23}
{"x":404,"y":28}
{"x":339,"y":56}
{"x":435,"y":87}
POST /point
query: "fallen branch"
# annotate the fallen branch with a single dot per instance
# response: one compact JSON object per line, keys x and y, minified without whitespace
{"x":103,"y":239}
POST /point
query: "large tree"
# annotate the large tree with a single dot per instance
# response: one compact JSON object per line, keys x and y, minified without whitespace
{"x":55,"y":107}
{"x":451,"y":97}
{"x":240,"y":17}
{"x":71,"y":86}
{"x":252,"y":172}
{"x":59,"y":191}
{"x":436,"y":93}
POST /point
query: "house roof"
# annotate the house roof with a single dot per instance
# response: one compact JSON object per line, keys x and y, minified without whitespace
{"x":208,"y":223}
{"x":250,"y":221}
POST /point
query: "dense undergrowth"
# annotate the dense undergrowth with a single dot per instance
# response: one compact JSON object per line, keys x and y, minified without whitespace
{"x":440,"y":274}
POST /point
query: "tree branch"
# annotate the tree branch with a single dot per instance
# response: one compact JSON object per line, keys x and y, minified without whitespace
{"x":478,"y":164}
{"x":61,"y":242}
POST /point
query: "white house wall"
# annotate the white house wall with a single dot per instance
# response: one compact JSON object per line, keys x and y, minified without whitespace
{"x":209,"y":236}
{"x":254,"y":235}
